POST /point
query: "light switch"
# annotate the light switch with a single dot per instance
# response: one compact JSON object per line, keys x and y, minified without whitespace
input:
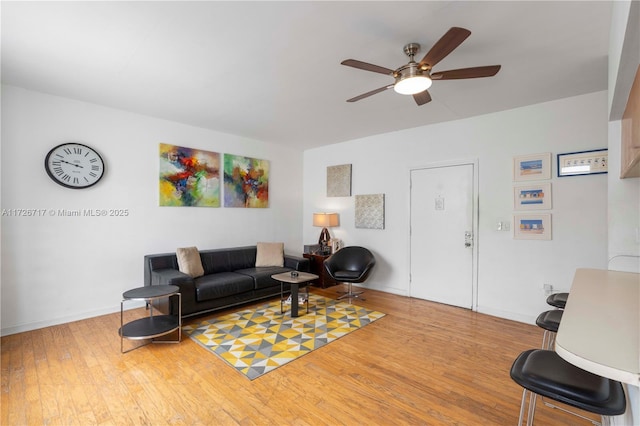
{"x":503,"y":225}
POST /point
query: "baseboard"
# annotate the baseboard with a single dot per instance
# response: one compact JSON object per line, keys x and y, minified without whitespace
{"x":62,"y":320}
{"x":514,"y":316}
{"x":392,"y":290}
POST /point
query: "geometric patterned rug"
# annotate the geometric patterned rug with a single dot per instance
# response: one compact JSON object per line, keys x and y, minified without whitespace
{"x":259,"y":340}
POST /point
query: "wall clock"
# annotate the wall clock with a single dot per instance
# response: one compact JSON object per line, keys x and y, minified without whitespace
{"x":74,"y":165}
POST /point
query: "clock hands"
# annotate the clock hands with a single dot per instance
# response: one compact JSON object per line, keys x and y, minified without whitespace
{"x":73,"y":164}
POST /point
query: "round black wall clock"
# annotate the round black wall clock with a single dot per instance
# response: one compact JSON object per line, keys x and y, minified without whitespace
{"x":74,"y":165}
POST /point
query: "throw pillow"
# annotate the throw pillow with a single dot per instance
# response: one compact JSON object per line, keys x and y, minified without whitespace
{"x":270,"y":254}
{"x":189,"y":261}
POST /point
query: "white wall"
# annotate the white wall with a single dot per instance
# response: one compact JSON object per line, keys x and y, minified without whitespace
{"x":57,"y":269}
{"x":510,"y":272}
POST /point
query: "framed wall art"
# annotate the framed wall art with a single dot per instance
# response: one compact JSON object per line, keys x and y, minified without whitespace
{"x":370,"y":211}
{"x":339,"y":181}
{"x":532,"y":226}
{"x":583,"y":163}
{"x":189,"y":177}
{"x":532,"y":167}
{"x":532,"y":197}
{"x":246,"y":182}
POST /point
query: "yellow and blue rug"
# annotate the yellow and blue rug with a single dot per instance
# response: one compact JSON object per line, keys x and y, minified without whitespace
{"x":258,"y":340}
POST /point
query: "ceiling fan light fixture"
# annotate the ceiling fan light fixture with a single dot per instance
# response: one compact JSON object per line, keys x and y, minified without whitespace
{"x":412,"y":84}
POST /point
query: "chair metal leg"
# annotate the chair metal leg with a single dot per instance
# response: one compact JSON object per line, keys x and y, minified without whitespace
{"x":351,"y":294}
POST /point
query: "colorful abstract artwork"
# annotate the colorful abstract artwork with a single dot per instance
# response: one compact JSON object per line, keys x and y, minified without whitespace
{"x":189,"y":177}
{"x":246,"y":182}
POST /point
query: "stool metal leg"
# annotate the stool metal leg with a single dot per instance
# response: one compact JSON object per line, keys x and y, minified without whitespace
{"x":548,"y":339}
{"x":532,"y":408}
{"x":522,"y":404}
{"x":604,"y":419}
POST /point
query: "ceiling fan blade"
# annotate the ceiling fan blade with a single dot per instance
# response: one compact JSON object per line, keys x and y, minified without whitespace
{"x":366,"y":66}
{"x":447,"y":43}
{"x":373,"y":92}
{"x":473,"y":72}
{"x":422,"y":97}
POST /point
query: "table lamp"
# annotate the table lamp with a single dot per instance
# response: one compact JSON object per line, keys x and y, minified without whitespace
{"x":325,"y":220}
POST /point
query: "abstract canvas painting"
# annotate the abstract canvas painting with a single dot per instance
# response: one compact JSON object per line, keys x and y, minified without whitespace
{"x":246,"y":182}
{"x":370,"y":211}
{"x":189,"y":177}
{"x":339,"y":181}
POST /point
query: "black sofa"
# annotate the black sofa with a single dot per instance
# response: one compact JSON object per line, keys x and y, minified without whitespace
{"x":230,"y":278}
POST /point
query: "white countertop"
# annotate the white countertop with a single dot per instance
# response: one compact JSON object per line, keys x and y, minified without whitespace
{"x":600,"y":327}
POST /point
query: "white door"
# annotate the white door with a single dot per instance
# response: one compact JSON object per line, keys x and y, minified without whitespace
{"x":442,"y":212}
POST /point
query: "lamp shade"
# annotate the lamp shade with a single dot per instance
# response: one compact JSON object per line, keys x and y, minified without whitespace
{"x":325,"y":220}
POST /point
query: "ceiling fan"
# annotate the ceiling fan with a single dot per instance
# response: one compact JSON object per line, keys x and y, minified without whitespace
{"x":415,"y":78}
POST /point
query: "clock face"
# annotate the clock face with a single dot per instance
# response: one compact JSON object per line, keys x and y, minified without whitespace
{"x":74,"y":165}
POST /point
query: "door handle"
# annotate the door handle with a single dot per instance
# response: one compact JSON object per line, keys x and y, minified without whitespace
{"x":468,"y":239}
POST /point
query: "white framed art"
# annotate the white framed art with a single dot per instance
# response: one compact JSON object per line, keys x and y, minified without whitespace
{"x":532,"y":226}
{"x":532,"y":167}
{"x":532,"y":197}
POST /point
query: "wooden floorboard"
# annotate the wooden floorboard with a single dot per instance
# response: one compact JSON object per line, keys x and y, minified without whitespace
{"x":422,"y":364}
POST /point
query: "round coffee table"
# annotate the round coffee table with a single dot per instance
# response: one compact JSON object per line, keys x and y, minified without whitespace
{"x":295,"y":279}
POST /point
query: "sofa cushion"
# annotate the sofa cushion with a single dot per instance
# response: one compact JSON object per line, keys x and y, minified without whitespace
{"x":269,"y":254}
{"x":189,"y":261}
{"x":262,"y":276}
{"x":223,"y":284}
{"x":242,"y":257}
{"x":215,"y":261}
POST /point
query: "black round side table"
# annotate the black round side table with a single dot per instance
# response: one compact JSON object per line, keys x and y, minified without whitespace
{"x":152,"y":326}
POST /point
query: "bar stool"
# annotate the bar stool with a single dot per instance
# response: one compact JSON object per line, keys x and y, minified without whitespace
{"x":549,"y":321}
{"x":545,"y":373}
{"x":558,"y":300}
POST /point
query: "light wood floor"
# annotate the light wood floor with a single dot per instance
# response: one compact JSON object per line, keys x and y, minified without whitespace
{"x":422,"y":364}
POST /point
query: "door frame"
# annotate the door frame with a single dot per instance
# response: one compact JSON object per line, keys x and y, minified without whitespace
{"x":474,"y":201}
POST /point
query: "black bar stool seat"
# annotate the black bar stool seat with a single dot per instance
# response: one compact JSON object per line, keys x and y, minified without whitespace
{"x":549,"y":321}
{"x":545,"y":373}
{"x":558,"y":300}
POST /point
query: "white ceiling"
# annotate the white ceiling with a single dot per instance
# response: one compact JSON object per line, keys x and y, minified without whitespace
{"x":271,"y":70}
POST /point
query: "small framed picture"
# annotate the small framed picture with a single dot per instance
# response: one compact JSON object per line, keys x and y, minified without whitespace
{"x":532,"y":197}
{"x":532,"y":167}
{"x":532,"y":226}
{"x":583,"y":163}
